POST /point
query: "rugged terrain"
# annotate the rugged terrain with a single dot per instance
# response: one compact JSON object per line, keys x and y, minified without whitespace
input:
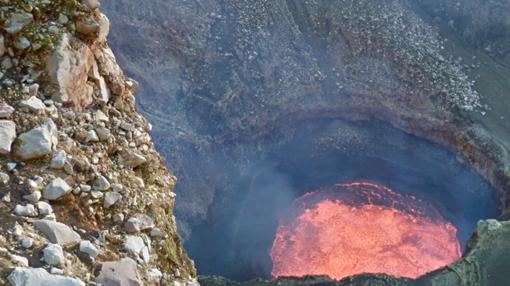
{"x":219,"y":77}
{"x":86,"y":199}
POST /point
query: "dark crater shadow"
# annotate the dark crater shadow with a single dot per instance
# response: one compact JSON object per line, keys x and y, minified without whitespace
{"x":264,"y":176}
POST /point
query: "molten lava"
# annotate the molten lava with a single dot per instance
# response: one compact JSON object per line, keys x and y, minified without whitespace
{"x":362,"y":227}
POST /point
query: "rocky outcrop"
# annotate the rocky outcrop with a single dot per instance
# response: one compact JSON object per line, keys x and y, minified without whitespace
{"x":82,"y":162}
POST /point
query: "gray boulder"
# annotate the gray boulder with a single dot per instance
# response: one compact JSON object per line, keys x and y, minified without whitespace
{"x":38,"y":142}
{"x":40,"y":277}
{"x":57,"y":232}
{"x":32,"y":104}
{"x":119,"y":273}
{"x":56,"y":189}
{"x":5,"y":109}
{"x":138,"y":223}
{"x":7,"y":135}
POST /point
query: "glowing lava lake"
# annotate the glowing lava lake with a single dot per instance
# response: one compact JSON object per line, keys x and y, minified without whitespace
{"x":362,"y":227}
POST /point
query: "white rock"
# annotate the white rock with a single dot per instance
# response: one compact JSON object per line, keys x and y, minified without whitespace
{"x":100,"y":116}
{"x":28,"y":210}
{"x":55,"y":270}
{"x":5,"y":109}
{"x":33,"y":89}
{"x":101,"y":184}
{"x":33,"y":197}
{"x":118,"y":217}
{"x":156,"y":232}
{"x":40,"y":277}
{"x":44,"y":208}
{"x":85,"y":188}
{"x":88,"y":248}
{"x":18,"y":230}
{"x":11,"y":166}
{"x":38,"y":142}
{"x":53,"y":254}
{"x":154,"y":274}
{"x":35,"y":184}
{"x":92,"y":136}
{"x":111,"y":198}
{"x":19,"y":260}
{"x":96,"y":194}
{"x":133,"y":244}
{"x":145,"y":254}
{"x":33,"y":104}
{"x":7,"y":135}
{"x":27,"y":242}
{"x":138,"y":223}
{"x":56,"y":232}
{"x":56,"y":189}
{"x":117,"y":188}
{"x":58,"y":160}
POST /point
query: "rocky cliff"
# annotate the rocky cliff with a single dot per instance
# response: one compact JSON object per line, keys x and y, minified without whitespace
{"x":86,"y":199}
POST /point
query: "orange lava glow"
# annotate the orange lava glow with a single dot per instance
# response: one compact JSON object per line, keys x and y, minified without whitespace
{"x":362,"y":227}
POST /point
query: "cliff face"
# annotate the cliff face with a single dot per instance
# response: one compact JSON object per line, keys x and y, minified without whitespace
{"x":85,"y":196}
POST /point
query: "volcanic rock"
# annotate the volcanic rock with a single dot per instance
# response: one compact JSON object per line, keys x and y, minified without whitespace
{"x":87,"y":247}
{"x":134,"y":244}
{"x":27,"y":242}
{"x":33,"y":104}
{"x":7,"y":135}
{"x":101,"y":184}
{"x":139,"y":222}
{"x":19,"y":260}
{"x":56,"y":232}
{"x":22,"y":43}
{"x":33,"y":197}
{"x":44,"y":208}
{"x":53,"y":255}
{"x":111,"y":198}
{"x":133,"y":159}
{"x":5,"y":110}
{"x":58,"y":160}
{"x":122,"y":272}
{"x":37,"y":142}
{"x":28,"y":210}
{"x":38,"y":277}
{"x":68,"y":67}
{"x":18,"y":21}
{"x":56,"y":189}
